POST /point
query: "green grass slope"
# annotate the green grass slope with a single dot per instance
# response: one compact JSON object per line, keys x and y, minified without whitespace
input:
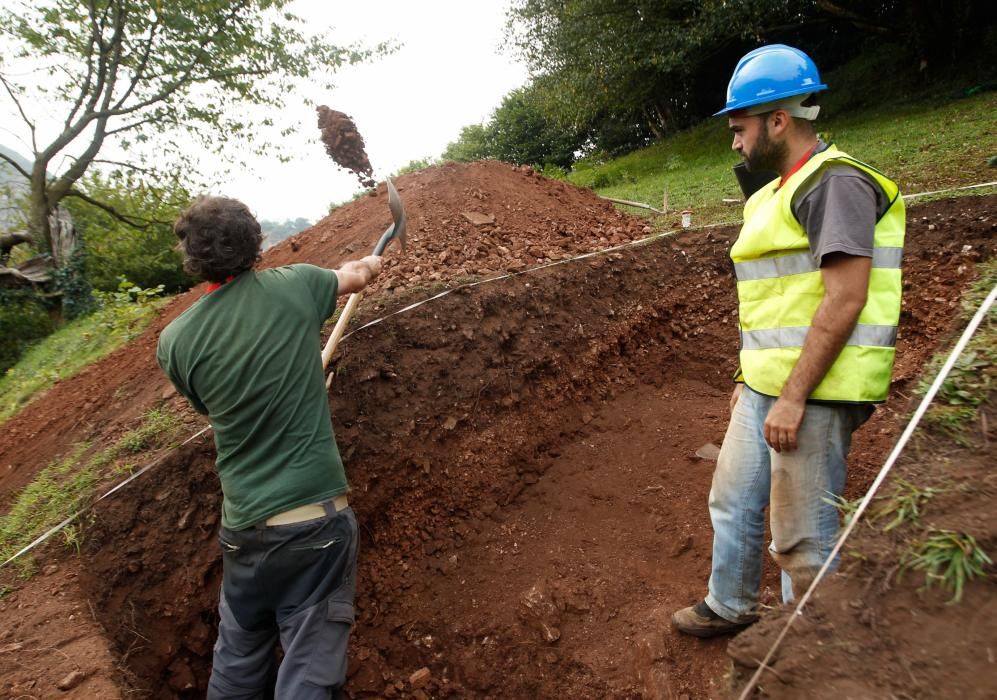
{"x":927,"y":145}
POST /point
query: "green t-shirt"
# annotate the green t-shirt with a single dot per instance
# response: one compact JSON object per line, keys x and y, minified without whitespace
{"x":248,"y":355}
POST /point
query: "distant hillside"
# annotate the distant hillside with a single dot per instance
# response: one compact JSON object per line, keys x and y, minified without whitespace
{"x":13,"y":186}
{"x":276,"y":231}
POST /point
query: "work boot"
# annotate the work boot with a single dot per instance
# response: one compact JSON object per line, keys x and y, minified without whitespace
{"x":699,"y":620}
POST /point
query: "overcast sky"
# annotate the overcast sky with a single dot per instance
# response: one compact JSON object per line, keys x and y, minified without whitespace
{"x":448,"y":72}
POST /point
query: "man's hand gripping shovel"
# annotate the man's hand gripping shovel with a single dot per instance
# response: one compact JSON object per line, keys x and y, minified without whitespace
{"x":396,"y":230}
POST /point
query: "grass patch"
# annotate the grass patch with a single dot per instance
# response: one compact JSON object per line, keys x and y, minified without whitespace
{"x":846,"y":508}
{"x":905,"y":505}
{"x":949,"y":559}
{"x":974,"y":373}
{"x":68,"y":485}
{"x":71,"y":348}
{"x":923,"y":146}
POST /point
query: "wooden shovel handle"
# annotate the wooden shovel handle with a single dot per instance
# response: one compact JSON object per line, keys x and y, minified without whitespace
{"x":337,"y":332}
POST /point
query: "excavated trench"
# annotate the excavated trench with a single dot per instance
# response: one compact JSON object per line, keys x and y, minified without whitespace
{"x":522,"y":459}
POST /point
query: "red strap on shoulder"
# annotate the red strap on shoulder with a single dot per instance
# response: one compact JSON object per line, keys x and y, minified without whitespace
{"x":217,"y":285}
{"x":799,"y":164}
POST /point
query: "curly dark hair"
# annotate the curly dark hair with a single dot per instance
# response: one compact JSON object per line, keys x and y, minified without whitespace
{"x":219,"y":238}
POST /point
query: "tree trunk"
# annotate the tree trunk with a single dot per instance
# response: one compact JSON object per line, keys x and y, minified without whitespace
{"x":38,"y":221}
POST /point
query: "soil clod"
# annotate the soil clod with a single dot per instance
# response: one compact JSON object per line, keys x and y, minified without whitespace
{"x":344,"y":144}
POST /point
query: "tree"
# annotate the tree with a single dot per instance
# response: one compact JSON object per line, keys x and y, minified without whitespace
{"x":146,"y":255}
{"x":154,"y":79}
{"x":521,"y":132}
{"x":472,"y":144}
{"x":626,"y":71}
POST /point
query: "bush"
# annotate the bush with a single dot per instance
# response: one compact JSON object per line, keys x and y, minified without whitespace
{"x":24,"y":319}
{"x":120,"y":317}
{"x":147,"y":254}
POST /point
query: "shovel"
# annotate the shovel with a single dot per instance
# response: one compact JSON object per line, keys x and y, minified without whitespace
{"x":395,"y":230}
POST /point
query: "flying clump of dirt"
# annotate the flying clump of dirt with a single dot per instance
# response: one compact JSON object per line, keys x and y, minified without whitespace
{"x":344,"y":144}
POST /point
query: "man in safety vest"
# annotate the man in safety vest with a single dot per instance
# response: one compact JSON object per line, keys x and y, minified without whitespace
{"x":818,"y":282}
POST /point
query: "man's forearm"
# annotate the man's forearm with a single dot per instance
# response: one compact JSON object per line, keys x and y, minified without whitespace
{"x":833,"y":323}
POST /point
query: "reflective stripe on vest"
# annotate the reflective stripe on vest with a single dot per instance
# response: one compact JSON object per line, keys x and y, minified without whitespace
{"x":780,"y":289}
{"x":793,"y":337}
{"x":798,"y":263}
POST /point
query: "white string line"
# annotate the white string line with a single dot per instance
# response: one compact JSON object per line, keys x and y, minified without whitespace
{"x":604,"y":251}
{"x":509,"y":275}
{"x":641,"y":241}
{"x":74,"y":516}
{"x":951,"y":189}
{"x":887,"y":466}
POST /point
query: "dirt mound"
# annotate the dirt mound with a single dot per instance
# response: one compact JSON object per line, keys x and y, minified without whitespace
{"x":344,"y":144}
{"x":444,"y":247}
{"x":466,"y":221}
{"x":522,"y":461}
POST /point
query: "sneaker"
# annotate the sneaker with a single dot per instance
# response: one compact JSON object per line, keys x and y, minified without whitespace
{"x":699,"y":620}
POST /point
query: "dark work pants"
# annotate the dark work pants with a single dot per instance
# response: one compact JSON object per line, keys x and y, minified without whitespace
{"x":296,"y":582}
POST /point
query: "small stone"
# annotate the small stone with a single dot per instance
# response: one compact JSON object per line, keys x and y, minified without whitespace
{"x":478,"y":219}
{"x":71,"y":681}
{"x":450,"y":423}
{"x":181,"y":677}
{"x":709,"y":452}
{"x":420,"y":677}
{"x":50,"y":569}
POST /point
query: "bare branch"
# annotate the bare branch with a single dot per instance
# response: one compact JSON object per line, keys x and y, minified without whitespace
{"x":186,"y":76}
{"x":85,"y":89}
{"x":13,"y":96}
{"x":139,"y":72}
{"x":858,"y":20}
{"x":137,"y":222}
{"x":132,"y":125}
{"x":14,"y":164}
{"x":9,"y":240}
{"x":59,"y":188}
{"x":129,"y":166}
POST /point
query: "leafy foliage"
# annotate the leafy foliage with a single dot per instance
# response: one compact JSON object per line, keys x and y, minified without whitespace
{"x":71,"y":280}
{"x":161,"y":81}
{"x":905,"y":505}
{"x":623,"y":72}
{"x":519,"y":132}
{"x":415,"y":165}
{"x":24,"y":320}
{"x":145,"y":252}
{"x":472,"y":144}
{"x":121,"y":316}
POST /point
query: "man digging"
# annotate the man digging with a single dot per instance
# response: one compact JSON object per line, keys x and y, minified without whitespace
{"x":818,"y":281}
{"x":247,"y":355}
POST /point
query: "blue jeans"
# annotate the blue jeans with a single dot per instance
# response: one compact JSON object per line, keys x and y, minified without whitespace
{"x":750,"y":476}
{"x":293,"y":582}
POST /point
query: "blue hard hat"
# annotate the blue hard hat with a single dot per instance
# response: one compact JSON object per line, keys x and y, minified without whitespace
{"x":771,"y":73}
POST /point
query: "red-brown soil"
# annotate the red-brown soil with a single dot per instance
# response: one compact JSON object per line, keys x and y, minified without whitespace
{"x":344,"y":144}
{"x":521,"y":455}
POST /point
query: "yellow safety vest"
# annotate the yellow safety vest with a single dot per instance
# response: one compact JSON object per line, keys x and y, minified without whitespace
{"x":779,"y":289}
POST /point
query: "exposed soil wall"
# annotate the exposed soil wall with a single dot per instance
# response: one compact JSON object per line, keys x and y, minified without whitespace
{"x":522,"y":461}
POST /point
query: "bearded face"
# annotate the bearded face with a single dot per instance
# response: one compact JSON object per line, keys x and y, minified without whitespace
{"x":764,"y":154}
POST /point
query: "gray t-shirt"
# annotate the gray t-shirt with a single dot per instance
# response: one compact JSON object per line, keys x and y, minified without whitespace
{"x":839,"y":208}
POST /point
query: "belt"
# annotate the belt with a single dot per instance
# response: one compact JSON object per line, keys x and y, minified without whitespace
{"x":312,"y":511}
